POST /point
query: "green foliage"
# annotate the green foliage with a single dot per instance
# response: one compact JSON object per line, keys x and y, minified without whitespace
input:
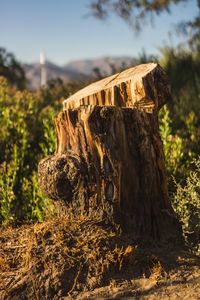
{"x":173,"y":144}
{"x":48,"y":143}
{"x":186,"y":203}
{"x":7,"y":196}
{"x":180,"y":123}
{"x":180,"y":148}
{"x":16,"y":174}
{"x":183,"y":69}
{"x":26,"y":135}
{"x":180,"y":132}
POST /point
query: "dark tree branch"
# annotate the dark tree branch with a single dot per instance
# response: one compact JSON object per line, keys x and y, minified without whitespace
{"x":135,"y":12}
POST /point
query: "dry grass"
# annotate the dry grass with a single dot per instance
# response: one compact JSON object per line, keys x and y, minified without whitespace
{"x":63,"y":256}
{"x":58,"y":256}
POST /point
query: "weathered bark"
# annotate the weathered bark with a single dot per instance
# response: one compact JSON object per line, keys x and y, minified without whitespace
{"x":109,"y":161}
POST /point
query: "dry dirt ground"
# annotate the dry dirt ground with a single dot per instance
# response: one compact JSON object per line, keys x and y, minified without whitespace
{"x":83,"y":259}
{"x":181,"y":283}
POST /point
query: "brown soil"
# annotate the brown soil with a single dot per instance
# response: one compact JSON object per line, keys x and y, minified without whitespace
{"x":182,"y":282}
{"x":82,"y":259}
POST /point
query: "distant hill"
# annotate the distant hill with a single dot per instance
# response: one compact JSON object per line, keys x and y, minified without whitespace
{"x":80,"y":70}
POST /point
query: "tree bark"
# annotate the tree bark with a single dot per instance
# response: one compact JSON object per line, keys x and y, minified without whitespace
{"x":109,"y":162}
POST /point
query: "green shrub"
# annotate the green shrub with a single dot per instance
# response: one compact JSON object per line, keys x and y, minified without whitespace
{"x":180,"y":148}
{"x":26,"y":135}
{"x":172,"y":143}
{"x":19,"y":196}
{"x":181,"y":145}
{"x":186,"y":203}
{"x":183,"y":69}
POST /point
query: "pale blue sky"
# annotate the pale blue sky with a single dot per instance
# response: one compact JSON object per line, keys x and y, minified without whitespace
{"x":60,"y":29}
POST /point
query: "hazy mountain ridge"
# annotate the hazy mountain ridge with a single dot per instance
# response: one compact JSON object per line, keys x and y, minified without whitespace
{"x":79,"y":70}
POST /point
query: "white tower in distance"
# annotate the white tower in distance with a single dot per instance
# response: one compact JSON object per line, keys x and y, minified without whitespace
{"x":43,"y":78}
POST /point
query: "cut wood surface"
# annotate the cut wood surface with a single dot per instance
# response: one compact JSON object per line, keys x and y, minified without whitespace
{"x":144,"y":86}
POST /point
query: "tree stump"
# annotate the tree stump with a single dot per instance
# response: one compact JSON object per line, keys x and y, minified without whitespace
{"x":109,"y":162}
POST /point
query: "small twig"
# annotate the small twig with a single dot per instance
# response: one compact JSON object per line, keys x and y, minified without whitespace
{"x":76,"y":278}
{"x":14,"y":247}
